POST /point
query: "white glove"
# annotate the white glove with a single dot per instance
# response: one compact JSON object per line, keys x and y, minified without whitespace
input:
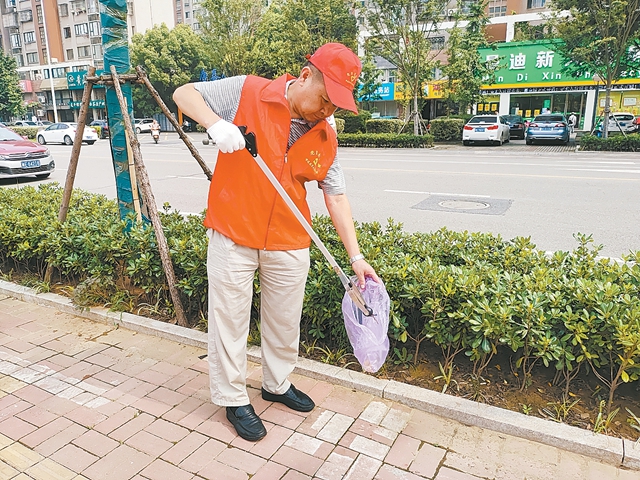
{"x":226,"y":136}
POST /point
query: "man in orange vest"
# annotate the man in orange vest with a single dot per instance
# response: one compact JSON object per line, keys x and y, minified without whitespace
{"x":250,"y":227}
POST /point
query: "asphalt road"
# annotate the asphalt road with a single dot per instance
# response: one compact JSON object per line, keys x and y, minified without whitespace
{"x":547,"y":193}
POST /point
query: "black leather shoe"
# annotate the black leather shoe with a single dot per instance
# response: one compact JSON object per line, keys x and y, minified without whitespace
{"x":246,"y":422}
{"x":292,"y":398}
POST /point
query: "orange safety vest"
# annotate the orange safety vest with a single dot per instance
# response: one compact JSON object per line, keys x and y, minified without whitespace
{"x":243,"y":205}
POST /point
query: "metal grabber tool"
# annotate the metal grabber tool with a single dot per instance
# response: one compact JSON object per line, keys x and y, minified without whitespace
{"x":349,"y":286}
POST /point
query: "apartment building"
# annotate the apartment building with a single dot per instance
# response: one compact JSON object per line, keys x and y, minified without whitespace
{"x":145,"y":14}
{"x":186,"y":11}
{"x":51,"y":39}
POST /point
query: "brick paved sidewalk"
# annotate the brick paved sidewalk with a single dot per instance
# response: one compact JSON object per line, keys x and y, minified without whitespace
{"x":82,"y":400}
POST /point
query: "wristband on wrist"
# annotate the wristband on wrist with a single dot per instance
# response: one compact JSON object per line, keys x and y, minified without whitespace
{"x":355,"y":258}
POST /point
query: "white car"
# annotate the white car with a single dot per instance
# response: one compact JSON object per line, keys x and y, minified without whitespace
{"x":65,"y":132}
{"x":25,"y":123}
{"x":624,"y":122}
{"x":486,"y":128}
{"x":142,"y":125}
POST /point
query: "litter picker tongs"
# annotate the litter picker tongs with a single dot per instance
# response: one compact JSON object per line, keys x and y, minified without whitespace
{"x":352,"y":290}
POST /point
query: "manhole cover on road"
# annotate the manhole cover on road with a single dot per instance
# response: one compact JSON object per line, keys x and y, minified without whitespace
{"x":463,"y":204}
{"x":444,"y":203}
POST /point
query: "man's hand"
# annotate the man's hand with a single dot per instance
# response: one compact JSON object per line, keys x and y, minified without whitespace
{"x":226,"y":136}
{"x":362,"y":269}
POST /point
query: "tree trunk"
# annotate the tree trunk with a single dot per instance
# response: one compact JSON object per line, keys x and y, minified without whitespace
{"x":607,"y":110}
{"x":416,"y":116}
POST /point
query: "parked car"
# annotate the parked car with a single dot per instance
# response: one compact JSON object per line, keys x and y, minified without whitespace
{"x":550,"y":127}
{"x":25,"y":123}
{"x":104,"y":127}
{"x":44,"y":123}
{"x":23,"y":158}
{"x":516,"y":126}
{"x":486,"y":128}
{"x":65,"y":132}
{"x":622,"y":121}
{"x":142,"y":125}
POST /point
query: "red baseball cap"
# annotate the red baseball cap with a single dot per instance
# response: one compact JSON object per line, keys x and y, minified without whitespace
{"x":340,"y":68}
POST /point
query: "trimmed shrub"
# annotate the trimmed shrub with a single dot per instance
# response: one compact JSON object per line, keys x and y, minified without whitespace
{"x":616,"y":143}
{"x":472,"y":295}
{"x":446,"y":129}
{"x":29,"y":132}
{"x":384,"y":140}
{"x":339,"y":125}
{"x":384,"y":125}
{"x":354,"y":123}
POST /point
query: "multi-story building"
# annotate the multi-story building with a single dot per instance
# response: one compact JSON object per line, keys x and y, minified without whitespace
{"x":71,"y":31}
{"x":186,"y":11}
{"x":145,"y":14}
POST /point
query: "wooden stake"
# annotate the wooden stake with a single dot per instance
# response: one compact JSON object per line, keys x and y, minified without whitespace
{"x":145,"y":186}
{"x":132,"y":172}
{"x":143,"y":77}
{"x":73,"y":161}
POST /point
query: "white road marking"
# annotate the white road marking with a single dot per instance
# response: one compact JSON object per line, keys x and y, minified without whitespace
{"x":437,"y":193}
{"x":187,"y":178}
{"x":600,"y":170}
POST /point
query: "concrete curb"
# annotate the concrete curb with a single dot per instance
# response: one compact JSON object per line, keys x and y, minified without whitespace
{"x":611,"y":450}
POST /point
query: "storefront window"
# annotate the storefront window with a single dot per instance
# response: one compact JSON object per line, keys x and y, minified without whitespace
{"x":561,"y":102}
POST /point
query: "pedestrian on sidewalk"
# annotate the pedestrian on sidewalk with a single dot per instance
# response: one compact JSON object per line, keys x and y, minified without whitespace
{"x":573,"y":120}
{"x":251,"y":228}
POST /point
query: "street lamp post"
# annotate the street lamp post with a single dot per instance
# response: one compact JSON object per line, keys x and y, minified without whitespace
{"x":46,"y":44}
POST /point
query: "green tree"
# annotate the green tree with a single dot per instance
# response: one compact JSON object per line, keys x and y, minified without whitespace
{"x":11,"y":103}
{"x":171,"y":58}
{"x":601,"y":38}
{"x":401,"y":32}
{"x":291,"y":29}
{"x":280,"y":46}
{"x":465,"y":71}
{"x":369,"y":82}
{"x":229,"y":31}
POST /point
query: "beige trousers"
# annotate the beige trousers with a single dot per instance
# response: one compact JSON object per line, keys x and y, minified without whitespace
{"x":230,"y":269}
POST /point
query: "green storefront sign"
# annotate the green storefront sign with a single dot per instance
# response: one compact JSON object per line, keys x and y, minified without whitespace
{"x":76,"y":80}
{"x":534,"y":64}
{"x":73,"y":105}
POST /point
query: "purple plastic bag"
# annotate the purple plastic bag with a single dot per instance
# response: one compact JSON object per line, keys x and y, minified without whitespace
{"x":368,"y":335}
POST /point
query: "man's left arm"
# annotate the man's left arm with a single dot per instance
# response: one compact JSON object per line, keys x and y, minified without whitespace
{"x":340,"y":211}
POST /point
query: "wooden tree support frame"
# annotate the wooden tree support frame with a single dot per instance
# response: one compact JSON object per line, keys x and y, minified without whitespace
{"x":140,"y":172}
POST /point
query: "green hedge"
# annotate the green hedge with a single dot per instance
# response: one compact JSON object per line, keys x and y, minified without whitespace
{"x":446,"y":129}
{"x":384,"y":140}
{"x":29,"y":132}
{"x":384,"y":125}
{"x":354,"y":123}
{"x":472,"y":295}
{"x":339,"y":125}
{"x":616,"y":143}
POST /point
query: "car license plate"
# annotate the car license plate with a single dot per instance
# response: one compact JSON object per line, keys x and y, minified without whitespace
{"x":546,"y":128}
{"x":30,"y":163}
{"x":479,"y":129}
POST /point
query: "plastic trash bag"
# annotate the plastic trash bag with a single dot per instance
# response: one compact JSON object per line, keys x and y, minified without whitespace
{"x":368,"y":335}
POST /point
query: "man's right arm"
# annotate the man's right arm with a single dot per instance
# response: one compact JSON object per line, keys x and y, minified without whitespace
{"x":214,"y":106}
{"x":192,"y":104}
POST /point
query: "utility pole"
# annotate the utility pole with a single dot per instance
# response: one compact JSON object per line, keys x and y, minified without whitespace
{"x":46,"y":44}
